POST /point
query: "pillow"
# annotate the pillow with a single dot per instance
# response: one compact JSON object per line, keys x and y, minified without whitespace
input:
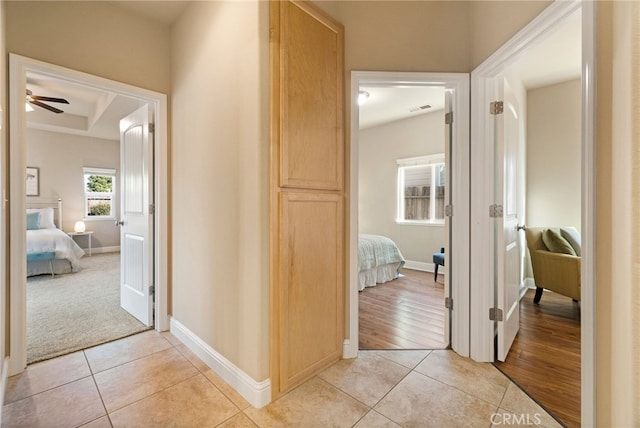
{"x":556,"y":243}
{"x":33,"y":221}
{"x":573,"y":238}
{"x":46,"y":217}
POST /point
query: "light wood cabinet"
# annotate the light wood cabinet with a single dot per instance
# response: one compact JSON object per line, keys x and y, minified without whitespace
{"x":306,"y":193}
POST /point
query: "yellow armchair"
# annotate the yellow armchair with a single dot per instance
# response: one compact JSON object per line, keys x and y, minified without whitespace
{"x":557,"y":272}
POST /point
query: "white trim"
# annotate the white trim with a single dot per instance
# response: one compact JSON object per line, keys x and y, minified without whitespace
{"x":18,"y":68}
{"x":588,"y":228}
{"x":349,"y":351}
{"x":258,"y":394}
{"x":529,"y":283}
{"x":459,"y":83}
{"x":421,"y":266}
{"x":4,"y":377}
{"x":482,"y":290}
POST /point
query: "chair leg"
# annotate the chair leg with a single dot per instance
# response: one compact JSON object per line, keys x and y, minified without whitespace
{"x":536,"y":298}
{"x":435,"y":277}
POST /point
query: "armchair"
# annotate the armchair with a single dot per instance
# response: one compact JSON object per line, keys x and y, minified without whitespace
{"x":557,"y":272}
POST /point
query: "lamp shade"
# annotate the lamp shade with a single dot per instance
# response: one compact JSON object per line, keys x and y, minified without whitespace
{"x":79,"y":227}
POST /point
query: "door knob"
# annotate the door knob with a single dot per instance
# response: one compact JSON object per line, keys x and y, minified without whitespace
{"x":520,"y":227}
{"x":120,"y":223}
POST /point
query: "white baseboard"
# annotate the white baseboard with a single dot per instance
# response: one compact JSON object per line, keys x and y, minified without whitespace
{"x":100,"y":250}
{"x":349,"y":350}
{"x":530,"y":283}
{"x":4,"y":376}
{"x":258,"y":394}
{"x":422,"y":266}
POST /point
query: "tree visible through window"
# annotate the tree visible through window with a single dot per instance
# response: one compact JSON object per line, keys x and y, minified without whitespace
{"x":99,"y":189}
{"x":421,"y":187}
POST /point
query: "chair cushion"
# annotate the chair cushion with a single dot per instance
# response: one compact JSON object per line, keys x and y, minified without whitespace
{"x":438,"y":258}
{"x":573,"y":238}
{"x":556,"y":243}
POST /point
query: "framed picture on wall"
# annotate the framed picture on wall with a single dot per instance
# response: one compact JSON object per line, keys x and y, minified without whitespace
{"x":33,"y":181}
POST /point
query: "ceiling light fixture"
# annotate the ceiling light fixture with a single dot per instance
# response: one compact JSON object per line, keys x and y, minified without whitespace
{"x":362,"y":97}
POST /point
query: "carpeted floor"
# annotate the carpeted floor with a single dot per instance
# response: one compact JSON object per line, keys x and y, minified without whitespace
{"x":77,"y":310}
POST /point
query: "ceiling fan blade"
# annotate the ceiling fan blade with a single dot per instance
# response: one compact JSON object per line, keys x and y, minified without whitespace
{"x":49,"y":99}
{"x":43,"y":105}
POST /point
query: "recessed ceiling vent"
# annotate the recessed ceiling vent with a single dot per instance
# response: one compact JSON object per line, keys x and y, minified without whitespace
{"x":420,"y":108}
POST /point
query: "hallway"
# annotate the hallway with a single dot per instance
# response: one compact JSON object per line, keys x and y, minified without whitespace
{"x":152,"y":380}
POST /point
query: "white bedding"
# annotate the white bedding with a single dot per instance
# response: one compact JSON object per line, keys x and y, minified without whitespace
{"x":379,"y":260}
{"x":54,"y":240}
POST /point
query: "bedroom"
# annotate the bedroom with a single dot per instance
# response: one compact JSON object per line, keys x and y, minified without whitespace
{"x":401,"y":154}
{"x":75,"y":155}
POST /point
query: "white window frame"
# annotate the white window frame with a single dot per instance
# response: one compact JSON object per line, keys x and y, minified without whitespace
{"x":108,"y":172}
{"x":414,"y":162}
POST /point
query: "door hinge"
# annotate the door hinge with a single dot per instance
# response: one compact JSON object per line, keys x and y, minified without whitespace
{"x":152,"y":128}
{"x":496,"y":107}
{"x":448,"y":303}
{"x":152,"y":289}
{"x":448,"y":210}
{"x":495,"y":211}
{"x":152,"y":209}
{"x":448,"y":118}
{"x":495,"y":314}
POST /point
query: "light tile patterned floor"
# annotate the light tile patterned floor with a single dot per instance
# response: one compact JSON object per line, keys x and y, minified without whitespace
{"x":152,"y":380}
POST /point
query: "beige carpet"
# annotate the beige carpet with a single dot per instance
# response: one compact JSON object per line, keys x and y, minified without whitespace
{"x":77,"y":310}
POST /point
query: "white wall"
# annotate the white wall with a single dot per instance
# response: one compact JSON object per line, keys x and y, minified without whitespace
{"x":379,"y":148}
{"x":220,"y":179}
{"x":61,"y":158}
{"x":554,"y":155}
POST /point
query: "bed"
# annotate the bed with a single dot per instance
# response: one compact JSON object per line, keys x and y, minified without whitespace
{"x":379,"y":260}
{"x":49,"y":249}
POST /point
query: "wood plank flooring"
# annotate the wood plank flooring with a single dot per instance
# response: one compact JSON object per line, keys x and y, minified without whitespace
{"x":545,"y":357}
{"x":406,"y":313}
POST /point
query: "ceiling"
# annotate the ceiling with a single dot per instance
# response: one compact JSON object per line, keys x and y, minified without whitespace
{"x":90,"y":112}
{"x":165,"y":12}
{"x":389,"y":103}
{"x":555,"y":59}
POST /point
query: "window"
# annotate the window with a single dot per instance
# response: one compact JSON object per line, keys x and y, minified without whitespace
{"x":99,"y":192}
{"x":421,"y":184}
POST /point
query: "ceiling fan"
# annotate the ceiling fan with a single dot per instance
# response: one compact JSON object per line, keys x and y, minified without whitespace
{"x":36,"y":100}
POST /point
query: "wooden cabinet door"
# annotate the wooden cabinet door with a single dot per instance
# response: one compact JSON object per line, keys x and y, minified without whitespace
{"x":311,"y":291}
{"x":307,"y":193}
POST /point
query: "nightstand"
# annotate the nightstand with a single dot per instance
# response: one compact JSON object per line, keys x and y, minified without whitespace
{"x":87,"y":233}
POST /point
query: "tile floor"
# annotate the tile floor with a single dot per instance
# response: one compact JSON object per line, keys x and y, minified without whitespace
{"x":152,"y":380}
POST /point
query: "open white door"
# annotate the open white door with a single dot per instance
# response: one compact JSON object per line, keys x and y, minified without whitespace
{"x":136,"y":216}
{"x":448,"y":136}
{"x":508,"y":267}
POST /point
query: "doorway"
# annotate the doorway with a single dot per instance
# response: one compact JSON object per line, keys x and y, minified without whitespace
{"x":454,"y":88}
{"x":483,"y":287}
{"x":402,"y":189}
{"x":20,"y":69}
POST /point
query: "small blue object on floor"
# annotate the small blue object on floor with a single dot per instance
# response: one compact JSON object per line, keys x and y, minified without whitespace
{"x":438,"y":260}
{"x":32,"y":257}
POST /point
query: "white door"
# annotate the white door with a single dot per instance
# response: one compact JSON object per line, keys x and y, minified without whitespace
{"x":136,"y":218}
{"x":508,"y":266}
{"x":448,"y":137}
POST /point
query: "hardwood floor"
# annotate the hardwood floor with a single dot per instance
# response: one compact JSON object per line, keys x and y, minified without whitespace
{"x":406,"y":313}
{"x":545,"y":357}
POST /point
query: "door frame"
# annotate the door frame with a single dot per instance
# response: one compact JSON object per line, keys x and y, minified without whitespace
{"x":459,"y":83}
{"x":19,"y":66}
{"x":482,"y":287}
